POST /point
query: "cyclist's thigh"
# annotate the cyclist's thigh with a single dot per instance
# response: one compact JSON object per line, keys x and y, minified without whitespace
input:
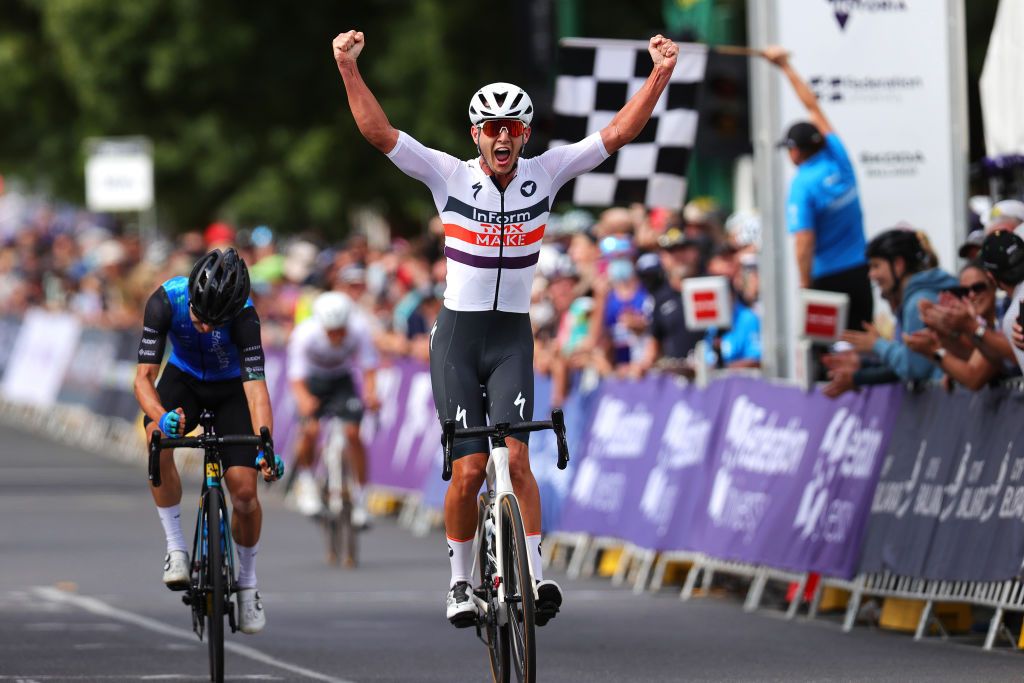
{"x":509,"y":356}
{"x":231,"y":416}
{"x":338,"y":398}
{"x":455,"y":344}
{"x":176,"y":389}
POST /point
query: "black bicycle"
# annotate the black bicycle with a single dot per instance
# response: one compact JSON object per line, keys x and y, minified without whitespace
{"x":507,"y":595}
{"x":212,"y":579}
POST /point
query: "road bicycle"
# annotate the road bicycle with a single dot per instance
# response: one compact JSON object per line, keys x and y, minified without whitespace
{"x":507,"y":593}
{"x":336,"y":514}
{"x":212,"y":573}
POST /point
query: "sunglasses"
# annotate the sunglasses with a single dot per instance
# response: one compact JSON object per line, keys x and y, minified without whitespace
{"x":493,"y":127}
{"x":962,"y":291}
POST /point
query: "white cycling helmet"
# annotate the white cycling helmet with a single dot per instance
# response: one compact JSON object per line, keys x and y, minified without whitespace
{"x":500,"y":101}
{"x":332,"y":310}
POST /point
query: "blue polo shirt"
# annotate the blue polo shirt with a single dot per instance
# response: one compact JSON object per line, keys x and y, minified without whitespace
{"x":824,"y":198}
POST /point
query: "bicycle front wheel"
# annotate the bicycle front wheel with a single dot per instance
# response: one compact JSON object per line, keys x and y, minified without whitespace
{"x":518,"y":592}
{"x":496,"y":636}
{"x":216,"y":584}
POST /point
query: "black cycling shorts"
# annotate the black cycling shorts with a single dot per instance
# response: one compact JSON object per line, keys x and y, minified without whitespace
{"x":338,"y":397}
{"x":225,"y":399}
{"x":481,"y":366}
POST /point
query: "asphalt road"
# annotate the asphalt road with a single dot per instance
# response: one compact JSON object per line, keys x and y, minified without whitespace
{"x":81,"y":550}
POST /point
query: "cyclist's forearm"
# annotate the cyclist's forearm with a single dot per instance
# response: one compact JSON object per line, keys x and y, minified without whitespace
{"x":366,"y":110}
{"x":146,"y":394}
{"x":370,"y":382}
{"x":632,"y":118}
{"x":258,"y":398}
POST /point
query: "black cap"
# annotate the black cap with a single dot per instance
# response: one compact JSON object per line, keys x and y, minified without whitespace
{"x":675,"y":238}
{"x":804,"y":136}
{"x":1002,"y":254}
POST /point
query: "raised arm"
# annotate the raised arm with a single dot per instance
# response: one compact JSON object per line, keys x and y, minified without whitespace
{"x":370,"y":118}
{"x":780,"y":58}
{"x":632,"y":118}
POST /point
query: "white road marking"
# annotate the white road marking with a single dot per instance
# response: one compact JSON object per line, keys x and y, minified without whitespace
{"x":101,"y":608}
{"x":136,"y":677}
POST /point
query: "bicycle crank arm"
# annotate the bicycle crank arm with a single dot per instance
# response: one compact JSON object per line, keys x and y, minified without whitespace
{"x":481,"y":605}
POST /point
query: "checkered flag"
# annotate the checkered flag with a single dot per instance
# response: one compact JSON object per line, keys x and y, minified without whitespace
{"x":598,"y":77}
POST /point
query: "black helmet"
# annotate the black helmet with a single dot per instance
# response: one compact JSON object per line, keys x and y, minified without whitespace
{"x":1002,"y":254}
{"x":218,"y":287}
{"x":899,"y":242}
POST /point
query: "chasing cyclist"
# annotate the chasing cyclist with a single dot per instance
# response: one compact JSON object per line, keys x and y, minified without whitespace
{"x":216,"y":363}
{"x":494,"y":208}
{"x":324,"y":354}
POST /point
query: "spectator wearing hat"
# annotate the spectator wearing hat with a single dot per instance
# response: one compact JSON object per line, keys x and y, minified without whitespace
{"x":899,"y":266}
{"x":671,"y":342}
{"x":971,"y":248}
{"x":219,"y":235}
{"x":1002,"y":254}
{"x":823,"y":211}
{"x":1007,"y":214}
{"x":740,"y":345}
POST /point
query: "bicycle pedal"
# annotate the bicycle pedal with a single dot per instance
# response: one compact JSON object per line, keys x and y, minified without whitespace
{"x":187,"y":599}
{"x":464,"y":620}
{"x":544,"y":614}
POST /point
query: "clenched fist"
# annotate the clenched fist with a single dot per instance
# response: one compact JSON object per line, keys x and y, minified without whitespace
{"x":347,"y":46}
{"x":663,"y":51}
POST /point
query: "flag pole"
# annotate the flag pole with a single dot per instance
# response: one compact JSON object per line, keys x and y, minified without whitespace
{"x":741,"y":50}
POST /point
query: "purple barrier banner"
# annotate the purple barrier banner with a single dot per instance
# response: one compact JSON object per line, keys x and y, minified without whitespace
{"x":616,"y":454}
{"x":744,"y":470}
{"x":793,"y":476}
{"x":404,"y":438}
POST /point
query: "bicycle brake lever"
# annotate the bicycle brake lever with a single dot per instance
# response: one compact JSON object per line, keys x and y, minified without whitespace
{"x":558,"y":425}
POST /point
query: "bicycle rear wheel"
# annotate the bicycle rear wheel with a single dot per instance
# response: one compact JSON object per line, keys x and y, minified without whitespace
{"x":518,"y":592}
{"x":216,"y":584}
{"x":496,"y":636}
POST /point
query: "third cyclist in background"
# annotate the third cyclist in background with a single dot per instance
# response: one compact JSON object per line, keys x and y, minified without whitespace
{"x":328,"y":354}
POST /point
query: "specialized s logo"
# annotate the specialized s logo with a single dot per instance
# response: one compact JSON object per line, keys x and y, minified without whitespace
{"x":521,"y":403}
{"x":476,"y":189}
{"x":527,"y":190}
{"x":433,"y":331}
{"x":460,"y":414}
{"x":451,"y":551}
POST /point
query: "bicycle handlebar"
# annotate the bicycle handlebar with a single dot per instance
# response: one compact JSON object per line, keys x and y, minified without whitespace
{"x":502,"y":430}
{"x":206,"y":440}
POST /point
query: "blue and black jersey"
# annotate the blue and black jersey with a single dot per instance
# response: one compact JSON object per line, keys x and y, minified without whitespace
{"x":227,"y":352}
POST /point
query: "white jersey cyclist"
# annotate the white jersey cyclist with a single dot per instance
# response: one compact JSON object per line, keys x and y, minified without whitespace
{"x":493,"y":237}
{"x":494,"y":209}
{"x":311,"y":353}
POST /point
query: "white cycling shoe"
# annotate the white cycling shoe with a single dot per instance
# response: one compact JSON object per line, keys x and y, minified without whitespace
{"x":306,"y":495}
{"x":176,"y":575}
{"x":251,"y":617}
{"x":460,"y":608}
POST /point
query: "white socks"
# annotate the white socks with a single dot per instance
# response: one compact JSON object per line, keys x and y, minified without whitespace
{"x":170,"y":518}
{"x":460,"y":553}
{"x":247,"y":565}
{"x":533,"y":544}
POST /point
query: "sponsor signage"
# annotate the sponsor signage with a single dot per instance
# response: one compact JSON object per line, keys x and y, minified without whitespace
{"x":823,"y":314}
{"x":119,"y":174}
{"x":707,"y":302}
{"x":887,"y":73}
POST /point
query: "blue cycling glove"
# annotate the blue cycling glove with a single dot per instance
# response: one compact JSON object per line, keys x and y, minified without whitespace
{"x":172,"y":424}
{"x":278,"y":468}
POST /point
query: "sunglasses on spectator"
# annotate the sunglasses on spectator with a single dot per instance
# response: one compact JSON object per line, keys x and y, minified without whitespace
{"x":493,"y":127}
{"x":961,"y":291}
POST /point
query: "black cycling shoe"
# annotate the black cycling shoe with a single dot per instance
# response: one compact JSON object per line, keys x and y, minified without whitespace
{"x":549,"y":600}
{"x":461,"y":609}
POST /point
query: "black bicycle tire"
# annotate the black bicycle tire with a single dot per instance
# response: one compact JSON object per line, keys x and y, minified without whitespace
{"x":216,"y":585}
{"x":517,"y":564}
{"x":497,"y":636}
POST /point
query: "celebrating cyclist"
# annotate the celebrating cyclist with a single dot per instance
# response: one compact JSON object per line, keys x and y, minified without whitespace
{"x":494,"y":208}
{"x":325,"y":354}
{"x":216,"y":363}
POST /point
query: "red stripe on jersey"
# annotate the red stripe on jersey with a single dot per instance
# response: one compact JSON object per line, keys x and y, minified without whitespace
{"x":513,"y":238}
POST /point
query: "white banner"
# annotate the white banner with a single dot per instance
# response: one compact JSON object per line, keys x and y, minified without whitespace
{"x":119,"y":174}
{"x":889,"y":76}
{"x":35,"y":369}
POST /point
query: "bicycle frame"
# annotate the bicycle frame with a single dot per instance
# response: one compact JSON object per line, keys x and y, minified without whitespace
{"x":499,"y":485}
